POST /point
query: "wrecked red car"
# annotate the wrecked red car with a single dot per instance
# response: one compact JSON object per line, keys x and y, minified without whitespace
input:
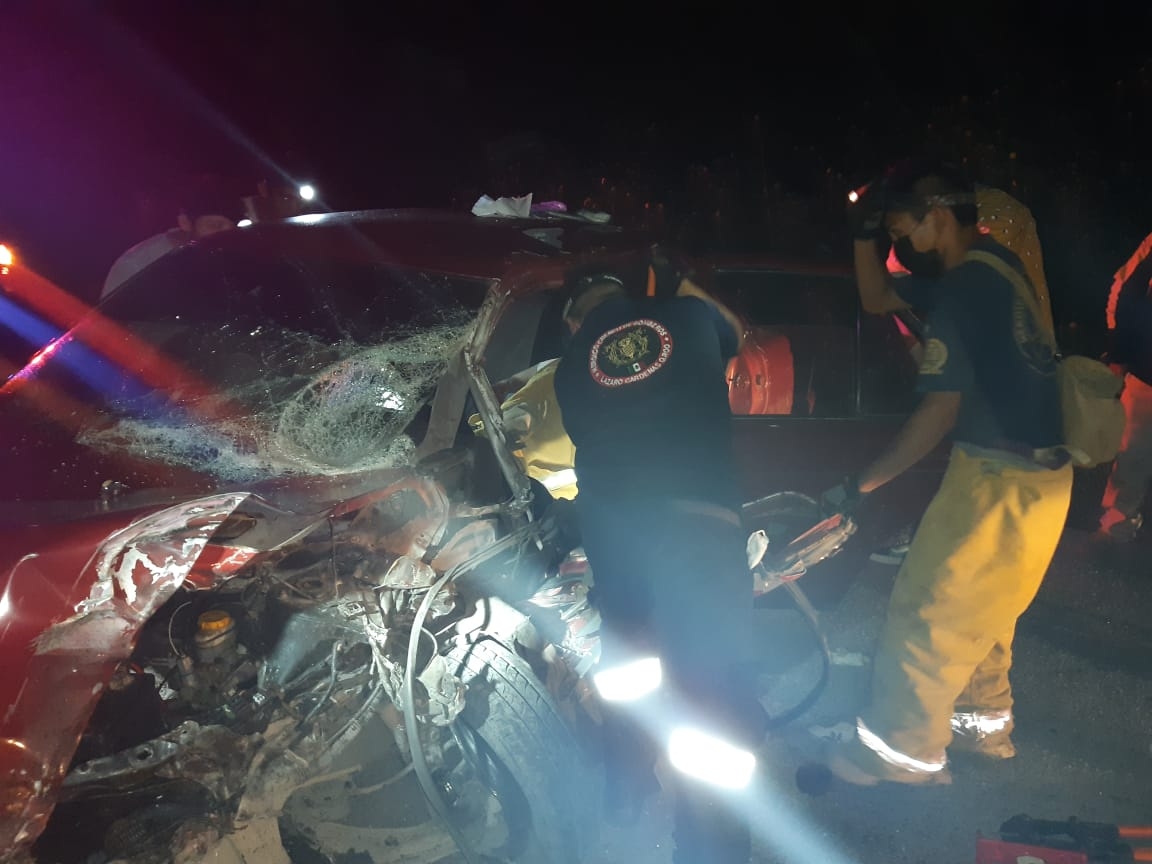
{"x":249,"y":547}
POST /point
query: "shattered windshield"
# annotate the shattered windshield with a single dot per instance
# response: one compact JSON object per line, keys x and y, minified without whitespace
{"x":246,"y":366}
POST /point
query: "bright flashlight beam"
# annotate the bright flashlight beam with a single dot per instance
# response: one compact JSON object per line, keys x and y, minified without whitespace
{"x":790,"y":833}
{"x":710,"y":759}
{"x":307,"y":192}
{"x":243,"y":223}
{"x":853,"y":196}
{"x":630,"y":681}
{"x":6,"y":257}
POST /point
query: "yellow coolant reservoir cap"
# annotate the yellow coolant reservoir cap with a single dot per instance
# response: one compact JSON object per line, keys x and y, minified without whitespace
{"x":214,"y":621}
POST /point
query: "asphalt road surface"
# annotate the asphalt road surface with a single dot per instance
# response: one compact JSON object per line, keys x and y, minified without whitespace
{"x":1083,"y":686}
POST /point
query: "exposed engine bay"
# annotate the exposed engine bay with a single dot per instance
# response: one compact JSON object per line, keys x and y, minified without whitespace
{"x":382,"y":614}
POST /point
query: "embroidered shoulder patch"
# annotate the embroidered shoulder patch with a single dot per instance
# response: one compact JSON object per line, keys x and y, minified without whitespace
{"x":629,"y":353}
{"x":935,"y":357}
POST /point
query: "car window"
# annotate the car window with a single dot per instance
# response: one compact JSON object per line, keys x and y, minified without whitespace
{"x":239,"y":363}
{"x":799,"y":358}
{"x":329,"y":299}
{"x":511,"y":348}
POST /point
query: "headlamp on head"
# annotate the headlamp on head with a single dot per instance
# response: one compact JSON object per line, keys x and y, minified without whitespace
{"x":954,"y":199}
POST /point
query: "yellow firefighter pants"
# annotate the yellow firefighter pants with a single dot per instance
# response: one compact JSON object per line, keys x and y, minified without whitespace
{"x":974,"y":566}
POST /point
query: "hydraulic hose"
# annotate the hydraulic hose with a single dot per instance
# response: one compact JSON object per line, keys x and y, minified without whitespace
{"x":809,"y":614}
{"x":411,"y":722}
{"x":790,"y":500}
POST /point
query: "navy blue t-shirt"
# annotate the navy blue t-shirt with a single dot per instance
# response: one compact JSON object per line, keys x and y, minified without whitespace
{"x":983,"y":341}
{"x":643,"y":392}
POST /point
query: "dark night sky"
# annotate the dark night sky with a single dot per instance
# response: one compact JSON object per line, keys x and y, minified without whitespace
{"x":391,"y":107}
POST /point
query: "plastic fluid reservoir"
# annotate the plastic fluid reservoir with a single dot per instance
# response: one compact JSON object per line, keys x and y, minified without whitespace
{"x":215,"y":636}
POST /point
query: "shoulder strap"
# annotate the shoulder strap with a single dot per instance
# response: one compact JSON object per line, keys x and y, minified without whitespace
{"x":1018,"y":282}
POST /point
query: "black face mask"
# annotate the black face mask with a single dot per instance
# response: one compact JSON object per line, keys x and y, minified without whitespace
{"x":927,"y":264}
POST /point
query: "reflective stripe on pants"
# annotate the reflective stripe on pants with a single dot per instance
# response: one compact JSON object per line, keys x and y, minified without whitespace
{"x":979,"y":725}
{"x":974,"y":566}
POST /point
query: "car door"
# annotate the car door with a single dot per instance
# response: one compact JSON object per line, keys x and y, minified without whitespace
{"x":819,"y":389}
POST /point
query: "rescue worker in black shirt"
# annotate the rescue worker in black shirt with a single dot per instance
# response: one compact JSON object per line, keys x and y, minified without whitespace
{"x":988,"y":378}
{"x":644,"y":398}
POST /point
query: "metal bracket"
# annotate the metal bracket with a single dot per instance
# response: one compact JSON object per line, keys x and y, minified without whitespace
{"x":487,"y":404}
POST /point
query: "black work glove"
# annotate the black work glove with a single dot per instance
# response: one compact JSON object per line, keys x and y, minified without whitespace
{"x":866,"y":212}
{"x":842,"y":498}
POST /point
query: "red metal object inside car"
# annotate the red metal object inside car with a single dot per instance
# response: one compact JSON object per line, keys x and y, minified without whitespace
{"x":761,"y":376}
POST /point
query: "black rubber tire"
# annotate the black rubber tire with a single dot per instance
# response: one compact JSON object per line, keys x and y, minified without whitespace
{"x":512,"y":713}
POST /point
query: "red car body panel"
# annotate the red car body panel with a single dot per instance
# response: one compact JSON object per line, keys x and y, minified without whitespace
{"x":73,"y":603}
{"x":62,"y":639}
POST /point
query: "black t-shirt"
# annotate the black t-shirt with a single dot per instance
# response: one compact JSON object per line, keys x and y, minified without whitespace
{"x":983,"y":341}
{"x":643,"y":392}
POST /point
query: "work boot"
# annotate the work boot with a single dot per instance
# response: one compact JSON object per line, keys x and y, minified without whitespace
{"x":1118,"y":533}
{"x":984,"y":732}
{"x":997,"y":746}
{"x":992,"y":747}
{"x":894,"y":550}
{"x":854,"y":763}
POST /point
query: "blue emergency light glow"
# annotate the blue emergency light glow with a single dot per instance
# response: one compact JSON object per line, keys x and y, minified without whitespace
{"x":28,"y":326}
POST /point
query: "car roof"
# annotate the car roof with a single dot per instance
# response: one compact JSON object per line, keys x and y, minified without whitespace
{"x":444,"y":242}
{"x":821,"y":267}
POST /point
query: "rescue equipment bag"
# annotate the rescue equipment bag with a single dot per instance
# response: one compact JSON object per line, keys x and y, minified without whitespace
{"x":1089,"y":391}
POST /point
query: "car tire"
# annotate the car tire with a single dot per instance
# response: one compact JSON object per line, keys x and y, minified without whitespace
{"x":512,"y":714}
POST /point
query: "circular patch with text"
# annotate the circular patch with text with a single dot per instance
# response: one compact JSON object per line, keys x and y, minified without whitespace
{"x":629,"y":353}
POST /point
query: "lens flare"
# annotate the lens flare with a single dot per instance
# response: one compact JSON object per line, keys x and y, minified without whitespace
{"x":629,"y":681}
{"x":710,"y":759}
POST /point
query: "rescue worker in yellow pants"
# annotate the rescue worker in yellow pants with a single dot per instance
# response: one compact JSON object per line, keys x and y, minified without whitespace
{"x":942,"y":666}
{"x":1007,"y":221}
{"x":977,"y":560}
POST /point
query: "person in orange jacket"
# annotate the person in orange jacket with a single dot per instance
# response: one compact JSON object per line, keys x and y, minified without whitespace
{"x":1129,"y":318}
